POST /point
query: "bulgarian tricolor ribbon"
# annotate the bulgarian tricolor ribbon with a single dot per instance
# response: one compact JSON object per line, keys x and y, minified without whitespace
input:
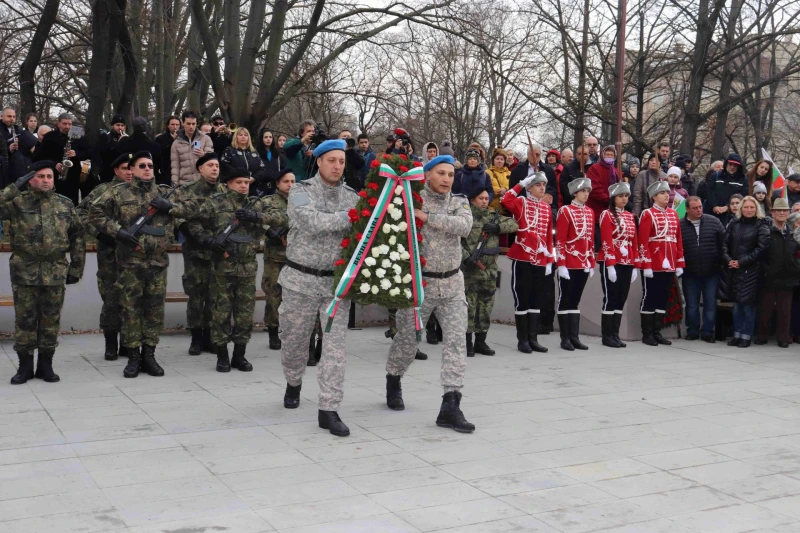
{"x":368,"y":237}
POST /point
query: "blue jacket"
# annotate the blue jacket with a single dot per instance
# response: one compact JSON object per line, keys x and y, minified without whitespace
{"x":471,"y":180}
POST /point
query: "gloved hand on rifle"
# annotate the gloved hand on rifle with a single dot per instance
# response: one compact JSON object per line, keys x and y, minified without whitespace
{"x":247,"y":215}
{"x":161,"y":204}
{"x":106,"y":239}
{"x":491,"y":228}
{"x":274,"y":234}
{"x":214,"y":245}
{"x":126,"y":238}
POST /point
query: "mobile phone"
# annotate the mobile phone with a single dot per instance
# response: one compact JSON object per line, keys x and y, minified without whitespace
{"x":196,"y":145}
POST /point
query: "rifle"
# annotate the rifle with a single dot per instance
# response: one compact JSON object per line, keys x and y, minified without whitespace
{"x":142,"y":224}
{"x":475,"y":257}
{"x":228,"y":233}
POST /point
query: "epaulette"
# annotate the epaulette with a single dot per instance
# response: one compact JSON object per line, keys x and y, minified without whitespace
{"x":349,"y":188}
{"x":459,"y":195}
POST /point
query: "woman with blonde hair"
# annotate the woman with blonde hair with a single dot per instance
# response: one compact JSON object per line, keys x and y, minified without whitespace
{"x":241,"y":155}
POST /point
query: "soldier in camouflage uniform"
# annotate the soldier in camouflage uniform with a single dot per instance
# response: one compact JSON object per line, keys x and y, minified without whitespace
{"x":318,"y":220}
{"x":44,"y":227}
{"x":197,"y":258}
{"x":142,"y":258}
{"x":233,"y":263}
{"x":275,"y":256}
{"x":110,"y":314}
{"x":480,"y":280}
{"x":446,"y":218}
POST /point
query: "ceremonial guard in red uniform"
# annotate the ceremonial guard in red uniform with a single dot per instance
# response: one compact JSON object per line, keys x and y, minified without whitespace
{"x":575,"y":260}
{"x":660,"y":257}
{"x":618,"y":258}
{"x":531,"y":257}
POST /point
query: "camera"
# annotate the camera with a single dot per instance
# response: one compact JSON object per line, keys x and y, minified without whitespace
{"x":351,"y":143}
{"x":319,"y":135}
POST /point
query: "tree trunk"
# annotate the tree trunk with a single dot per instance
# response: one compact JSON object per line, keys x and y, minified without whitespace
{"x":158,"y":56}
{"x":97,"y":89}
{"x":247,"y":60}
{"x":125,"y":104}
{"x":726,"y":83}
{"x":580,"y":110}
{"x":27,"y":71}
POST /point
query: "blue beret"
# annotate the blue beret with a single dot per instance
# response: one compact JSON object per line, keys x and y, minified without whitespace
{"x":438,"y":160}
{"x":327,"y":146}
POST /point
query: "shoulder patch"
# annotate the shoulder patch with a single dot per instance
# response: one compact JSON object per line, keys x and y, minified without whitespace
{"x":299,"y":198}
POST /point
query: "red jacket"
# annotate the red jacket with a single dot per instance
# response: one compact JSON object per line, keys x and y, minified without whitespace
{"x":598,"y":198}
{"x":619,"y":241}
{"x":575,"y":236}
{"x":660,"y":243}
{"x":534,"y":240}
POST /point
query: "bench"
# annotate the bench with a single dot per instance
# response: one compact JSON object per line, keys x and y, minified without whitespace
{"x":180,"y":297}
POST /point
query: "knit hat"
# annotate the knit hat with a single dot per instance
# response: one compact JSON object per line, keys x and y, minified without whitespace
{"x":447,"y":149}
{"x":205,"y":158}
{"x":499,"y":151}
{"x":475,"y":145}
{"x":760,"y":187}
{"x":472,"y":153}
{"x":674,"y":171}
{"x":328,"y":146}
{"x":140,"y":124}
{"x":554,"y":152}
{"x":634,"y":161}
{"x":118,"y":119}
{"x":579,"y":185}
{"x":780,"y":203}
{"x":236,"y":173}
{"x":619,"y":188}
{"x":657,"y":187}
{"x":438,"y":160}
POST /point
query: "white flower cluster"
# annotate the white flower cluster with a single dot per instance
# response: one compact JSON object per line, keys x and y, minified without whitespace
{"x":386,"y":256}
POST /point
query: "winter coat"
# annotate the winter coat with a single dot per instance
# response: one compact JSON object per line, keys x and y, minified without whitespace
{"x":274,"y":162}
{"x":781,"y":269}
{"x":468,"y":180}
{"x":745,"y":241}
{"x":19,"y":159}
{"x":642,"y":200}
{"x":791,"y":197}
{"x":602,"y":177}
{"x":139,"y":142}
{"x":165,"y":141}
{"x":302,"y":167}
{"x":353,"y":166}
{"x":182,"y":158}
{"x":677,"y":189}
{"x":499,"y":177}
{"x":702,"y":253}
{"x":721,"y":185}
{"x":238,"y":159}
{"x":687,"y":182}
{"x":369,"y":157}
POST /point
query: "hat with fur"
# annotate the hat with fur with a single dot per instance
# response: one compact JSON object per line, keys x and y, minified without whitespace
{"x":657,"y":187}
{"x":619,"y":188}
{"x":579,"y":185}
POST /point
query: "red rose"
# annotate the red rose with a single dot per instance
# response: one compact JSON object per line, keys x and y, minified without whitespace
{"x":417,"y":164}
{"x":424,"y":283}
{"x":404,"y":157}
{"x":372,"y":185}
{"x":422,"y":261}
{"x":418,"y":222}
{"x":362,"y":194}
{"x":345,"y":242}
{"x":365,"y":213}
{"x":372,"y":201}
{"x":338,"y":263}
{"x":375,"y":163}
{"x":385,"y":156}
{"x":416,"y":197}
{"x":359,"y":235}
{"x":403,"y":168}
{"x":353,"y":214}
{"x":419,"y":237}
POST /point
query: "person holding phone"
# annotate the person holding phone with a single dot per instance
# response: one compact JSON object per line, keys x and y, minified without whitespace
{"x":190,"y":145}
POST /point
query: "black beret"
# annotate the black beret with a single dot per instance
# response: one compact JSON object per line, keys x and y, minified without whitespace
{"x":205,"y":158}
{"x":236,"y":173}
{"x":124,"y":158}
{"x":282,"y":172}
{"x":140,"y":155}
{"x":39,"y":165}
{"x":118,"y":119}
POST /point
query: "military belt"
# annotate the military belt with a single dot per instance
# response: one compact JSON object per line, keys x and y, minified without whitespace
{"x":39,"y":257}
{"x":309,"y":270}
{"x":440,"y":275}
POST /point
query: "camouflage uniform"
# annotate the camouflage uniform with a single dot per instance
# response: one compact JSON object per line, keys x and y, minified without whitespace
{"x":110,"y":313}
{"x":196,"y":259}
{"x":142,"y":275}
{"x":43,"y":228}
{"x":480,"y":284}
{"x":232,"y":287}
{"x":449,"y":219}
{"x":274,"y":259}
{"x":317,"y":223}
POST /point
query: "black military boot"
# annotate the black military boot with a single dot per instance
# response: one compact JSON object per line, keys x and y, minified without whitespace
{"x":196,"y":346}
{"x":422,"y":356}
{"x":223,"y":361}
{"x":616,"y":323}
{"x":312,"y":359}
{"x":439,"y":331}
{"x":44,"y":366}
{"x":330,"y":420}
{"x":450,"y":415}
{"x":318,"y":348}
{"x":134,"y":363}
{"x":291,"y":398}
{"x":112,"y":346}
{"x":470,"y":347}
{"x":394,"y":393}
{"x":122,"y":351}
{"x":238,"y":361}
{"x":533,"y":333}
{"x":274,"y":338}
{"x":648,"y":323}
{"x":607,"y":331}
{"x":574,"y":328}
{"x":480,"y":345}
{"x":430,"y":332}
{"x":207,"y":345}
{"x":523,"y":344}
{"x":149,"y":363}
{"x":25,"y":370}
{"x":657,"y":325}
{"x":563,"y":330}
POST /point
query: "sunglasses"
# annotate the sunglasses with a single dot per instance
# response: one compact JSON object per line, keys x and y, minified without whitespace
{"x":219,"y":123}
{"x":145,"y":165}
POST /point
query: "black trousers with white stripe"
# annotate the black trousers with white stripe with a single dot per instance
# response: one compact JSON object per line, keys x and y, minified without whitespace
{"x":655,"y":293}
{"x":615,"y":294}
{"x":527,"y":285}
{"x":570,"y":291}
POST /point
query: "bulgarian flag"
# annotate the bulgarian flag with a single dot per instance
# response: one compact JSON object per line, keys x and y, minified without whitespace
{"x":679,"y":205}
{"x":778,"y":181}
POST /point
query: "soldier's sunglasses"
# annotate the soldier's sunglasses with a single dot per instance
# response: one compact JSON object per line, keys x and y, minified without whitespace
{"x":145,"y":165}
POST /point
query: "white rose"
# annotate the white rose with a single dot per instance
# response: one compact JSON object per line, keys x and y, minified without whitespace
{"x":405,"y":256}
{"x":396,"y":214}
{"x":375,"y":289}
{"x":370,"y":261}
{"x":402,"y":226}
{"x":364,"y":288}
{"x":380,"y":272}
{"x":407,"y":278}
{"x":397,"y":279}
{"x":401,"y":248}
{"x":366,"y":273}
{"x":386,"y":263}
{"x":385,"y":284}
{"x":375,"y":252}
{"x":392,"y":240}
{"x":387,"y":228}
{"x":397,"y":269}
{"x":398,"y":201}
{"x":398,"y":189}
{"x":384,"y":249}
{"x":407,"y":293}
{"x":394,"y":256}
{"x":394,"y":292}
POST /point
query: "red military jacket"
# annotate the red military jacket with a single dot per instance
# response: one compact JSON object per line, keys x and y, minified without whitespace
{"x":575,"y":236}
{"x":619,"y":241}
{"x":660,"y":244}
{"x":534,"y":241}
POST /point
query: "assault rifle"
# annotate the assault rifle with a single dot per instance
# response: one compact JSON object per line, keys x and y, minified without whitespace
{"x":142,"y":224}
{"x":475,"y":257}
{"x":228,"y":233}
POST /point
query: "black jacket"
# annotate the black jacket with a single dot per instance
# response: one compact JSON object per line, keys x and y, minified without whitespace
{"x":791,"y":197}
{"x":107,"y":151}
{"x":273,"y":164}
{"x":140,"y":142}
{"x":220,"y":141}
{"x":781,"y":269}
{"x":246,"y":160}
{"x":703,"y":253}
{"x":721,"y":185}
{"x":745,"y":241}
{"x":688,"y":183}
{"x":19,"y":159}
{"x":354,"y":164}
{"x":165,"y":141}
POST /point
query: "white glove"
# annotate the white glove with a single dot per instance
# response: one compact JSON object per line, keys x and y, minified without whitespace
{"x":548,"y":269}
{"x":612,"y":274}
{"x":648,"y":272}
{"x":634,"y":274}
{"x":679,"y":272}
{"x":527,"y":181}
{"x":563,"y":272}
{"x":589,"y":271}
{"x":623,"y":251}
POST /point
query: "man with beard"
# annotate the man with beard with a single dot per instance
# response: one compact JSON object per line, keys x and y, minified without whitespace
{"x":52,"y":148}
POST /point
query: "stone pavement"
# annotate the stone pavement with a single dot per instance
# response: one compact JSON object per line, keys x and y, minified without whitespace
{"x":688,"y":438}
